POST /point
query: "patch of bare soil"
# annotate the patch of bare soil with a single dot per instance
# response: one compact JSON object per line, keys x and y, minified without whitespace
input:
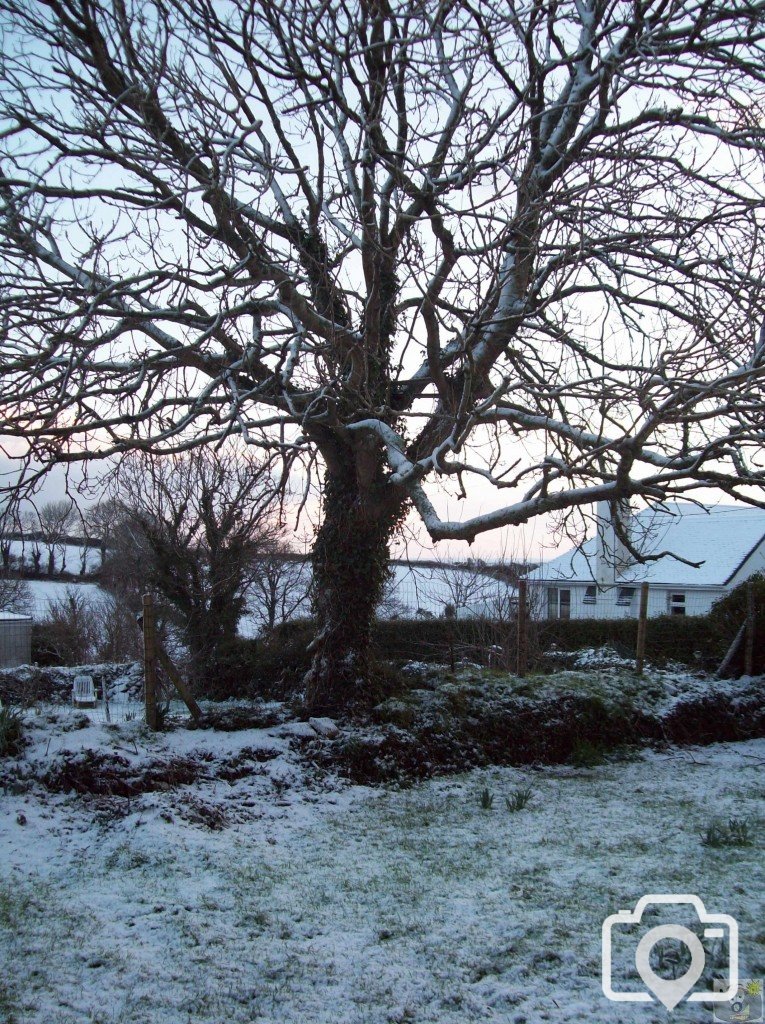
{"x":105,"y":774}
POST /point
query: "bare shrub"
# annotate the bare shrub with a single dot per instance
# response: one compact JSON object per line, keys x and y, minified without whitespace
{"x":15,"y":595}
{"x":68,"y":635}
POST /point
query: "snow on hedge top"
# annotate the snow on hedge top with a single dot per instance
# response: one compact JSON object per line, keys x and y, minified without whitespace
{"x":720,"y":538}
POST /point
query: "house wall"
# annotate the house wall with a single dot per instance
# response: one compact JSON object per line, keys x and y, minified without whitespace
{"x":754,"y":563}
{"x":698,"y":601}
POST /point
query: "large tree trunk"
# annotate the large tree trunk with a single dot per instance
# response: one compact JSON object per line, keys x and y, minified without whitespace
{"x":350,"y":567}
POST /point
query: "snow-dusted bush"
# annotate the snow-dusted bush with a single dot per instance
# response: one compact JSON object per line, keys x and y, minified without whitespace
{"x":11,"y":732}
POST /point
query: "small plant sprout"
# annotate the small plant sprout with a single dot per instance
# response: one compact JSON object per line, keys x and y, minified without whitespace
{"x":519,"y":799}
{"x":486,"y":799}
{"x":734,"y":833}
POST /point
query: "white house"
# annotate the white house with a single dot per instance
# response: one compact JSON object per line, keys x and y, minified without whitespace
{"x":704,"y":554}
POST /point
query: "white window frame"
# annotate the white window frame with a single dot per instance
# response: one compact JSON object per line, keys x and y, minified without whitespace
{"x":590,"y":595}
{"x":625,"y":596}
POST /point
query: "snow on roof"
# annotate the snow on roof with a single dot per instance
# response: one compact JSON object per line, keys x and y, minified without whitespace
{"x":720,"y":538}
{"x":12,"y":617}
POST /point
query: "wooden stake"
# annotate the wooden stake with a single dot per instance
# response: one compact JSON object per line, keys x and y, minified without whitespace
{"x":523,"y":629}
{"x":642,"y":629}
{"x":150,"y":662}
{"x":750,"y":621}
{"x":731,"y":652}
{"x":175,"y":678}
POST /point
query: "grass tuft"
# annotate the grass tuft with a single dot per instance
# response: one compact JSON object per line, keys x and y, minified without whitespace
{"x":519,"y":799}
{"x":486,"y":799}
{"x":733,"y":833}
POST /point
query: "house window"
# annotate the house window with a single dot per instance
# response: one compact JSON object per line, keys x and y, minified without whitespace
{"x":624,"y":598}
{"x":558,"y":603}
{"x":590,"y":595}
{"x":677,"y":604}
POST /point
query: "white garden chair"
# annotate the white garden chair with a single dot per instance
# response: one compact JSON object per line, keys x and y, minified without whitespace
{"x":83,"y":692}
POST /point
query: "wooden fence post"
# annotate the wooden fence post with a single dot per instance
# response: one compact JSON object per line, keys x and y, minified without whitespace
{"x":641,"y":629}
{"x":731,"y":652}
{"x":150,"y":662}
{"x":750,"y":621}
{"x":523,"y":629}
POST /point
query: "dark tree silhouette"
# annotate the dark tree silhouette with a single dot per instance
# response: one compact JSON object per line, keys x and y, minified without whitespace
{"x":514,"y":243}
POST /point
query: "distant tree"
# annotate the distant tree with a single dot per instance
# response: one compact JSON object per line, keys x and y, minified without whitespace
{"x":193,"y":527}
{"x":15,"y":595}
{"x":465,"y":589}
{"x":391,"y":606}
{"x":5,"y":552}
{"x":55,"y":520}
{"x":116,"y":627}
{"x":101,"y":521}
{"x":280,"y":585}
{"x":9,"y":525}
{"x":30,"y":533}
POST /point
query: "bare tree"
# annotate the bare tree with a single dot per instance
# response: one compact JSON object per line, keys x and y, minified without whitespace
{"x":15,"y":595}
{"x":466,"y":589}
{"x":70,"y":629}
{"x":279,"y":587}
{"x":6,"y":545}
{"x":115,"y":622}
{"x":193,"y":527}
{"x":514,"y":243}
{"x":55,"y":519}
{"x":101,"y":521}
{"x":30,"y":534}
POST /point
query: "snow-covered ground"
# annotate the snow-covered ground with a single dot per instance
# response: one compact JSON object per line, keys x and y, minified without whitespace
{"x":270,"y":891}
{"x":45,"y":591}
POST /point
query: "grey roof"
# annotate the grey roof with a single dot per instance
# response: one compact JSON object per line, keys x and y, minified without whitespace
{"x":720,"y":538}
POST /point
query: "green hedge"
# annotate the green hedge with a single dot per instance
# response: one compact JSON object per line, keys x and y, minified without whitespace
{"x":686,"y":639}
{"x":274,"y":666}
{"x":729,"y":613}
{"x":437,"y":639}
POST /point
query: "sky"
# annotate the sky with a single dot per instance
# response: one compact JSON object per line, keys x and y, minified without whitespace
{"x":533,"y":541}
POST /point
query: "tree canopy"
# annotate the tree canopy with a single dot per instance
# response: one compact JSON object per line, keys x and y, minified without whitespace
{"x":397,"y":241}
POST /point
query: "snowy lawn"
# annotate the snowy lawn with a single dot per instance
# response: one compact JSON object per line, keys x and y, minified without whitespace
{"x":321,"y":902}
